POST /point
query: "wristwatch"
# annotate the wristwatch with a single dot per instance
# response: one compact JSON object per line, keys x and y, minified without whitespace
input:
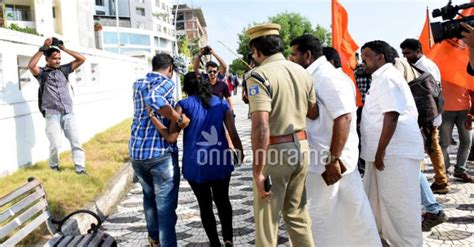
{"x":331,"y":159}
{"x":180,"y":120}
{"x":43,"y":49}
{"x":151,"y":114}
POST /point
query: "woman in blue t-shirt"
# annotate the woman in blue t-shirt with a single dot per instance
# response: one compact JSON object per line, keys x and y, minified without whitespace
{"x":207,"y":159}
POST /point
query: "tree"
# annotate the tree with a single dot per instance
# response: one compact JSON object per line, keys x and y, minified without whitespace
{"x":183,"y":46}
{"x":292,"y":25}
{"x":237,"y":67}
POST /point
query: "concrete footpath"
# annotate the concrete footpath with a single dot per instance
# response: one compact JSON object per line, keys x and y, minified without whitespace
{"x":128,"y":225}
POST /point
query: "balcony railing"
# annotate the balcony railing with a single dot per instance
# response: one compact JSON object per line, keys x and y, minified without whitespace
{"x":110,"y":21}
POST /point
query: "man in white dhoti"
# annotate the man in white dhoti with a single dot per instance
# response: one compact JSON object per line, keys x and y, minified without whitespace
{"x":392,"y":146}
{"x":340,"y":211}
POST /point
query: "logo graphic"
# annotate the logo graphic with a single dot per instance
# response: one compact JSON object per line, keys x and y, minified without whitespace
{"x":211,"y":138}
{"x":253,"y":90}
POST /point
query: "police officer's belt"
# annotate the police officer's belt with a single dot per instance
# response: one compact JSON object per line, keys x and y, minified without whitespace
{"x":301,"y":135}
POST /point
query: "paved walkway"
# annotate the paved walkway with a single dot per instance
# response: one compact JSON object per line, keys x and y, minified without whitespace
{"x":128,"y":226}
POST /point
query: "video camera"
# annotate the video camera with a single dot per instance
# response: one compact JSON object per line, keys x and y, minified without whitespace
{"x":206,"y":50}
{"x":451,"y":28}
{"x":57,"y":42}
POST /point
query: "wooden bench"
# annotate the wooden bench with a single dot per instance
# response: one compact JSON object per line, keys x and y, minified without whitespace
{"x":27,"y":208}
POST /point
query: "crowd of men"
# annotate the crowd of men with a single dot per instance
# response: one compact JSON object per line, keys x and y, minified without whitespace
{"x":314,"y":155}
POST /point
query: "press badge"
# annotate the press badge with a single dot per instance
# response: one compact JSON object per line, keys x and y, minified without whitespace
{"x":253,"y":90}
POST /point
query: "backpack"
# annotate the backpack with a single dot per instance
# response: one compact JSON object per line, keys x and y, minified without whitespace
{"x":428,"y":97}
{"x":42,"y":77}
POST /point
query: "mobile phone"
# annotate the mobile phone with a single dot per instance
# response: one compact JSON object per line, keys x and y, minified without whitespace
{"x":267,"y":184}
{"x":325,"y":178}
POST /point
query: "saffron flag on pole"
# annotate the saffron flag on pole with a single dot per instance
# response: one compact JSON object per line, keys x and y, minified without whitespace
{"x":343,"y":43}
{"x":426,"y":36}
{"x":452,"y":57}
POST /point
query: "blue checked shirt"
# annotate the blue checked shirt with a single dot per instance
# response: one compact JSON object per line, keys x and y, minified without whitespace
{"x":155,"y":90}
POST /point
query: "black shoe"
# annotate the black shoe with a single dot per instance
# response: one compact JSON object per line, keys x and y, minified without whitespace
{"x":439,"y":188}
{"x":431,"y":220}
{"x":54,"y":168}
{"x":81,"y":172}
{"x":466,"y":178}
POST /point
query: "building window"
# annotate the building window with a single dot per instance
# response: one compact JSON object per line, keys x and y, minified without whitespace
{"x":100,"y":13}
{"x":180,"y":17}
{"x":140,"y":11}
{"x":18,"y":12}
{"x":180,"y":26}
{"x":99,"y":2}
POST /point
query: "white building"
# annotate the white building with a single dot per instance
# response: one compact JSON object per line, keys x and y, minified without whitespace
{"x":145,"y":27}
{"x":102,"y":85}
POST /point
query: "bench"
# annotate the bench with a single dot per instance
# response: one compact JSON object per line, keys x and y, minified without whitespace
{"x":27,"y":208}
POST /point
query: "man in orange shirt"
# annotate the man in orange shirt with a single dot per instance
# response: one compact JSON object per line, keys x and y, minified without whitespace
{"x":458,"y":110}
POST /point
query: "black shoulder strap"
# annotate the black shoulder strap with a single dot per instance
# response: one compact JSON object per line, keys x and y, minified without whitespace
{"x":417,"y":69}
{"x":262,"y":80}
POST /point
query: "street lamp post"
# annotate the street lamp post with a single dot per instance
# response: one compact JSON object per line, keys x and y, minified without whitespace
{"x":117,"y":23}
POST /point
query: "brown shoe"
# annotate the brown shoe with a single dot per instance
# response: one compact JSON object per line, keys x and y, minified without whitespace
{"x":466,"y":178}
{"x":440,"y":188}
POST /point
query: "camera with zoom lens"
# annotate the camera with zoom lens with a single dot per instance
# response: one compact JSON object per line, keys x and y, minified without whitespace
{"x":206,"y":50}
{"x":452,"y":27}
{"x":57,"y":42}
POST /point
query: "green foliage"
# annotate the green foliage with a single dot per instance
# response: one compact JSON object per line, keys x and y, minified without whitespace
{"x":183,"y":46}
{"x":237,"y":67}
{"x":292,"y":26}
{"x":15,"y":27}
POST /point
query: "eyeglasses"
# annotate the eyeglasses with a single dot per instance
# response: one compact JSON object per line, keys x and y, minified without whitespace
{"x":212,"y":72}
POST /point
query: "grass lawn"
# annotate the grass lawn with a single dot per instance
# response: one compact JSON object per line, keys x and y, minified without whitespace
{"x":66,"y":191}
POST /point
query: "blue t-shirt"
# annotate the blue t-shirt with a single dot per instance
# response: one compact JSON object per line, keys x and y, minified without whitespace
{"x":206,"y":153}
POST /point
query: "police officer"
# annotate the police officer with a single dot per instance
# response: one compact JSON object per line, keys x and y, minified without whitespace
{"x":281,"y":95}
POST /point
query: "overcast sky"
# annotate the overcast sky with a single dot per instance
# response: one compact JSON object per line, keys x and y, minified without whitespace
{"x":389,"y":20}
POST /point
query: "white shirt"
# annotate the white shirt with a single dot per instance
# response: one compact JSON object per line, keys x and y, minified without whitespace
{"x":336,"y":96}
{"x":429,"y":66}
{"x":390,"y":92}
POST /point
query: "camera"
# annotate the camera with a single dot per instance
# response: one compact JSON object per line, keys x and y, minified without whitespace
{"x":451,"y":28}
{"x":206,"y":50}
{"x":57,"y":42}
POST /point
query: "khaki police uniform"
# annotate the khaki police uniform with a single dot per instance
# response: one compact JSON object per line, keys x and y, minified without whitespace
{"x":284,"y":90}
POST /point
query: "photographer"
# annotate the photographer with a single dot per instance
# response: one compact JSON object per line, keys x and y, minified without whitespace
{"x":468,"y":38}
{"x":215,"y":74}
{"x":55,"y":102}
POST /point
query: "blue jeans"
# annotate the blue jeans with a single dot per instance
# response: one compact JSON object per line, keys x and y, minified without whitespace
{"x":55,"y":124}
{"x":428,"y":200}
{"x":451,"y":118}
{"x":159,"y":178}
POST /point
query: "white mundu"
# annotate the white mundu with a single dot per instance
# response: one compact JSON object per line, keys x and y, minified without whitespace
{"x":340,"y":213}
{"x":394,"y":193}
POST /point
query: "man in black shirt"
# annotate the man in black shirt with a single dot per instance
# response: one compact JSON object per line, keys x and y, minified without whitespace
{"x":215,"y":74}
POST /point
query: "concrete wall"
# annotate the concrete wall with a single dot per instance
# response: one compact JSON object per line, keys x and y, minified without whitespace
{"x":102,"y":97}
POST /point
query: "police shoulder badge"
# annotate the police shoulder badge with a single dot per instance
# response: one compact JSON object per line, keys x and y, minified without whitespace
{"x":253,"y":90}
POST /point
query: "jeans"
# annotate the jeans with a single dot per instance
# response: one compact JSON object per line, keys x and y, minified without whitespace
{"x":55,"y":123}
{"x":219,"y":192}
{"x":451,"y":118}
{"x":428,"y":200}
{"x":159,"y":178}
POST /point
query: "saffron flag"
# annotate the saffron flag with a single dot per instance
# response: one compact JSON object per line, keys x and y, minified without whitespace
{"x":425,"y":36}
{"x":452,"y":57}
{"x":344,"y":44}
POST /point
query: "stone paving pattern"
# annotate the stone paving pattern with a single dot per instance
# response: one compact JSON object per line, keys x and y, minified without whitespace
{"x":128,"y":225}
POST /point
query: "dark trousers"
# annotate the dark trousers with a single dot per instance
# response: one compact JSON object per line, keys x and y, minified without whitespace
{"x":217,"y":191}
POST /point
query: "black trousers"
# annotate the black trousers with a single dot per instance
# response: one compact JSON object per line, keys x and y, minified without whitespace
{"x":217,"y":191}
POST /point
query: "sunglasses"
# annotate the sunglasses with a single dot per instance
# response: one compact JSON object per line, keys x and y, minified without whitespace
{"x":212,"y":72}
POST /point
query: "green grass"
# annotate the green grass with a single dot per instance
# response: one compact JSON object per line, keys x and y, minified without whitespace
{"x":66,"y":191}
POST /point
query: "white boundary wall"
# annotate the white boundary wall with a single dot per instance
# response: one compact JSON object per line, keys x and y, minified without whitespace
{"x":102,"y":97}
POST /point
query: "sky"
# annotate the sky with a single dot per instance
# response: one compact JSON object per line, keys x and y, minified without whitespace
{"x":388,"y":20}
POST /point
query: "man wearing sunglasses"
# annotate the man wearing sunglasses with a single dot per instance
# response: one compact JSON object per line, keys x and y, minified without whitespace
{"x":216,"y":74}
